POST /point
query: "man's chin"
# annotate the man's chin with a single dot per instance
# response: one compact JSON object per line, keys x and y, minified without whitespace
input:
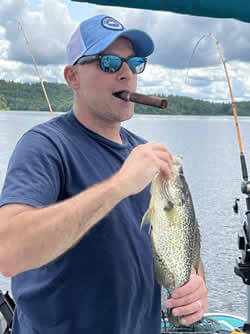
{"x":126,"y":114}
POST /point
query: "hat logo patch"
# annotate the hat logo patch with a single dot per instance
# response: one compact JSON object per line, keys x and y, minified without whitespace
{"x":110,"y":23}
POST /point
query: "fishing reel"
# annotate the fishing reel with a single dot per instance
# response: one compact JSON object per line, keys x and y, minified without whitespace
{"x":245,"y":187}
{"x":242,"y":267}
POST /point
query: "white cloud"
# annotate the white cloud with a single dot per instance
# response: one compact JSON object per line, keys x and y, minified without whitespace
{"x":212,"y":84}
{"x":47,"y":34}
{"x":4,"y":45}
{"x":47,"y":30}
{"x":19,"y":72}
{"x":2,"y":32}
{"x":176,"y":35}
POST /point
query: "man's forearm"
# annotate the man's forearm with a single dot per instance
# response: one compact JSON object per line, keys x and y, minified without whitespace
{"x":36,"y":236}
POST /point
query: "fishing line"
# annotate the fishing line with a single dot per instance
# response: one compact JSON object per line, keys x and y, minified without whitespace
{"x":20,"y":26}
{"x":211,"y":36}
{"x":194,"y":49}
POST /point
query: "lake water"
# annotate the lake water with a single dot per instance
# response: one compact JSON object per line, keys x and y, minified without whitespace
{"x":211,"y":163}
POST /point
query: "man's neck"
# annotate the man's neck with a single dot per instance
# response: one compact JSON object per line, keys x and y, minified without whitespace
{"x":102,"y":127}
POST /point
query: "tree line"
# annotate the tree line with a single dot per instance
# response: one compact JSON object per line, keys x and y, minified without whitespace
{"x":29,"y":96}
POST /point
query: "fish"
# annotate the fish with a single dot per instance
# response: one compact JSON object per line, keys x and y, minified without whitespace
{"x":174,"y":231}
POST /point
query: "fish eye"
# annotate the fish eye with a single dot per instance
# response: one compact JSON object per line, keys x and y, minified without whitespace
{"x":169,"y":206}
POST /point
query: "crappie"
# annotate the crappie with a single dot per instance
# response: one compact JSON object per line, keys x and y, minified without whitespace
{"x":175,"y":234}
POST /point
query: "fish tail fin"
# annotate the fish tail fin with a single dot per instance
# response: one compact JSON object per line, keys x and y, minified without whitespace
{"x":174,"y":321}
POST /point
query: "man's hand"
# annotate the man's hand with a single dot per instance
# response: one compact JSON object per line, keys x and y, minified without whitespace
{"x":189,"y":301}
{"x":142,"y":164}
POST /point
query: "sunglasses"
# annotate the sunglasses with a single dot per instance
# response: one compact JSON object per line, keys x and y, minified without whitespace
{"x":112,"y":63}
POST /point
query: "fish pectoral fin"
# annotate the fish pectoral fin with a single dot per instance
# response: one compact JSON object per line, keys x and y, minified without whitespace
{"x":146,"y":219}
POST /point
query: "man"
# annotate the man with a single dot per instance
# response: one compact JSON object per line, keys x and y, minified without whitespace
{"x":75,"y":192}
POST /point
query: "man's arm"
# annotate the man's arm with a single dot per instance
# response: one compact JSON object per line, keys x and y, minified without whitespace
{"x":32,"y":237}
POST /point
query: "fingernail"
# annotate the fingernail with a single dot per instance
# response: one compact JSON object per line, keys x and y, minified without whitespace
{"x":183,"y":321}
{"x":176,"y":313}
{"x":173,"y":294}
{"x":168,"y":304}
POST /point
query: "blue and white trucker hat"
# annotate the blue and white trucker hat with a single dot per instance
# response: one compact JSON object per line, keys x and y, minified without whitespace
{"x":97,"y":33}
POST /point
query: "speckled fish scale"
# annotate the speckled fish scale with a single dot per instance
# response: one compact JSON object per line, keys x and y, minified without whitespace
{"x":175,"y":232}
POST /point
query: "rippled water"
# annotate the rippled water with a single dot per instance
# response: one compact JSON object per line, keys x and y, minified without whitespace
{"x":211,"y":163}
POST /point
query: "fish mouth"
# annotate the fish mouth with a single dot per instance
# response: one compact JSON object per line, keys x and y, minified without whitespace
{"x":177,"y":165}
{"x":178,"y":170}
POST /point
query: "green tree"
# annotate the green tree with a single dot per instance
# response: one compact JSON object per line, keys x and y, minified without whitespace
{"x":3,"y":103}
{"x":27,"y":96}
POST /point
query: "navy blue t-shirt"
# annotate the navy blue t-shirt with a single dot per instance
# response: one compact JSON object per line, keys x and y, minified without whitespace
{"x":105,"y":284}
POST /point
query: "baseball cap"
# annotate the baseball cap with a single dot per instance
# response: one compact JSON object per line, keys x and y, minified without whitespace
{"x":95,"y":34}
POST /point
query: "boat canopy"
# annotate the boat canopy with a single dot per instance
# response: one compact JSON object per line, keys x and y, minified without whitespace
{"x":235,"y":9}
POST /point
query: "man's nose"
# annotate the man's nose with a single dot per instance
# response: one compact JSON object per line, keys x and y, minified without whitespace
{"x":125,"y":72}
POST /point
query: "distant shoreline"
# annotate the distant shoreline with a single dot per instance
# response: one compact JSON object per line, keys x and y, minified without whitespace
{"x":136,"y":114}
{"x":29,"y":97}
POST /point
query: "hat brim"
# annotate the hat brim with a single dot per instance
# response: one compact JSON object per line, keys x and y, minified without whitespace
{"x":142,"y":43}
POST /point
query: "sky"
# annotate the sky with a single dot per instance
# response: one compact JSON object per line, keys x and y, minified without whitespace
{"x":177,"y":66}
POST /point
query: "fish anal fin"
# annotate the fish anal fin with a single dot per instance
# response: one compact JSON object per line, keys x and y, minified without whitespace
{"x":196,"y":248}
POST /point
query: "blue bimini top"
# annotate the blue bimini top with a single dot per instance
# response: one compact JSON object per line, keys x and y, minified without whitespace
{"x":106,"y":283}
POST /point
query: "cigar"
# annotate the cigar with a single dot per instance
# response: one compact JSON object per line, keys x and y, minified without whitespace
{"x":144,"y":99}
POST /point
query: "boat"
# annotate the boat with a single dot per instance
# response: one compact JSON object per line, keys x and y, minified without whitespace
{"x":227,"y":322}
{"x":221,"y":323}
{"x":234,"y":9}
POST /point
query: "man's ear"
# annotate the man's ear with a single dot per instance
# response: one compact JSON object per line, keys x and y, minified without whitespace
{"x":71,"y":76}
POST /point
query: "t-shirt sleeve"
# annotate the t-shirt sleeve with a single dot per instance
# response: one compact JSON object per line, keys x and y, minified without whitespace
{"x":35,"y":172}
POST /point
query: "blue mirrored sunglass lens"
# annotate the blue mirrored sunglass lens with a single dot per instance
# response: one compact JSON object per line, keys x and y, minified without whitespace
{"x":110,"y":63}
{"x":136,"y":64}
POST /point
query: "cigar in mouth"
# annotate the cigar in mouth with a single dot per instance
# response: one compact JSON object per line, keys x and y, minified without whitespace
{"x":148,"y":100}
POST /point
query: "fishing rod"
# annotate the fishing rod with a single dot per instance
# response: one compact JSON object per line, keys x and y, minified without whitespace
{"x":20,"y":26}
{"x":242,"y":267}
